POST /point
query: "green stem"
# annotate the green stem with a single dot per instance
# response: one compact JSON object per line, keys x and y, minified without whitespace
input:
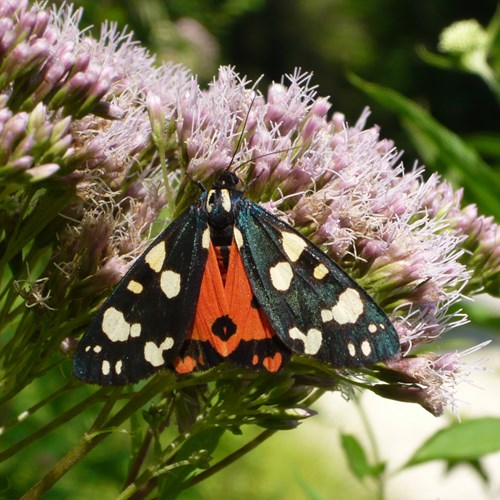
{"x":71,"y":459}
{"x":30,"y":411}
{"x":106,"y":410}
{"x":231,"y":458}
{"x":155,"y":470}
{"x":54,"y":424}
{"x":46,"y":209}
{"x":251,"y":445}
{"x":168,"y":191}
{"x":139,"y":459}
{"x":135,"y":468}
{"x":86,"y":444}
{"x":374,"y":447}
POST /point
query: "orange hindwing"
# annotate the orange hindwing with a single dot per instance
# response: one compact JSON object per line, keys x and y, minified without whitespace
{"x":229,"y":323}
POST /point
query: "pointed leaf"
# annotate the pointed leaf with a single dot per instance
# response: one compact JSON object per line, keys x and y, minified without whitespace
{"x":468,"y":440}
{"x":356,"y":456}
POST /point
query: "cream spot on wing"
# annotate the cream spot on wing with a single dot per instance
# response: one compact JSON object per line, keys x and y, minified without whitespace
{"x":153,"y":354}
{"x":366,"y":348}
{"x":312,"y":339}
{"x":135,"y":330}
{"x":238,"y":237}
{"x":105,"y":368}
{"x":352,"y":349}
{"x":170,"y":283}
{"x":349,"y":307}
{"x":382,"y":326}
{"x":135,"y":287}
{"x":281,"y":276}
{"x":326,"y":315}
{"x":87,"y":349}
{"x":116,"y":327}
{"x":320,"y":271}
{"x":97,"y":349}
{"x":118,"y":367}
{"x":372,"y":328}
{"x":156,"y":256}
{"x":226,"y":200}
{"x":205,"y":238}
{"x":293,"y":245}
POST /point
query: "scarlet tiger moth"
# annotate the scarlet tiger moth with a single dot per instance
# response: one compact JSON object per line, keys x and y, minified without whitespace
{"x":228,"y":280}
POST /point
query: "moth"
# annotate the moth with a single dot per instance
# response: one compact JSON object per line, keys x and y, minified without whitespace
{"x":229,"y":281}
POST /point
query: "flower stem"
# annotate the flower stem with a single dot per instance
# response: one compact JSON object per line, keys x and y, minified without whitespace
{"x":374,"y":446}
{"x":54,"y":424}
{"x":251,"y":445}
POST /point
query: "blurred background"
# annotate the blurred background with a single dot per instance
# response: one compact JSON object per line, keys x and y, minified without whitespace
{"x":378,"y":41}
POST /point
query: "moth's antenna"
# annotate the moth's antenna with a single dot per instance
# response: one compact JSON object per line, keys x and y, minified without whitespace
{"x":240,"y":139}
{"x":200,"y":184}
{"x":268,"y":154}
{"x":263,"y":156}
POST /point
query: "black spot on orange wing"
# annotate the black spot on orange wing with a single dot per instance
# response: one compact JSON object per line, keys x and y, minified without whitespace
{"x":224,"y":327}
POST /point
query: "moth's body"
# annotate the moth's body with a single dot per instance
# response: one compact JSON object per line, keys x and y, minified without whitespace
{"x":229,"y":281}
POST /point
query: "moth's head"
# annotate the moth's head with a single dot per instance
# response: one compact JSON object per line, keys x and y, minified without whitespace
{"x":226,"y":180}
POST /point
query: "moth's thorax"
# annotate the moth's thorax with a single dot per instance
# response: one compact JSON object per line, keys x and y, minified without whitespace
{"x":220,"y":215}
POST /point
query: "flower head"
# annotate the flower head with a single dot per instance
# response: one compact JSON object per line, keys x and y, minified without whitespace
{"x":469,"y":44}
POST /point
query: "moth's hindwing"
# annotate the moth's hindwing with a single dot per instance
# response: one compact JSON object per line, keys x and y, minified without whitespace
{"x":313,"y":306}
{"x":143,"y":324}
{"x":229,"y":324}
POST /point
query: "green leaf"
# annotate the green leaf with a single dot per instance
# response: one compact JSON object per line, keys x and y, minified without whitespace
{"x":437,"y":60}
{"x":356,"y":456}
{"x":466,"y":441}
{"x":487,"y":144}
{"x":475,"y":464}
{"x":482,"y":314}
{"x":441,"y":149}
